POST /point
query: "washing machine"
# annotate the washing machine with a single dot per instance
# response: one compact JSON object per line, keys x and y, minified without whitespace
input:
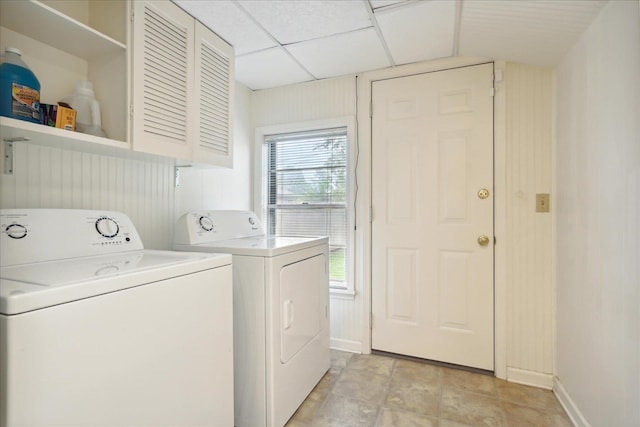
{"x":97,"y":331}
{"x":281,"y":310}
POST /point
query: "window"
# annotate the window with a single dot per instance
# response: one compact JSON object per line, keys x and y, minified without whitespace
{"x":305,"y":190}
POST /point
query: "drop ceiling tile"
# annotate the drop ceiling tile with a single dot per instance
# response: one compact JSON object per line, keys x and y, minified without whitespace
{"x":268,"y":68}
{"x":295,"y":21}
{"x":531,"y":32}
{"x":229,"y":22}
{"x":419,"y":31}
{"x":341,"y":54}
{"x":377,"y":4}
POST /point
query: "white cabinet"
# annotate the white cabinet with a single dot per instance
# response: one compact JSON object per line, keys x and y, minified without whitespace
{"x":214,"y":92}
{"x":162,"y":61}
{"x":182,"y":86}
{"x":163,"y":80}
{"x":61,"y":46}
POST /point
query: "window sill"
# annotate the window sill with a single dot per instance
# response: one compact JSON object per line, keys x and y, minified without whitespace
{"x":343,"y":294}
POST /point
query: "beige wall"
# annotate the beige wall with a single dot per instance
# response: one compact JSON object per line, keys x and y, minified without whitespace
{"x":528,"y":138}
{"x":598,"y":221}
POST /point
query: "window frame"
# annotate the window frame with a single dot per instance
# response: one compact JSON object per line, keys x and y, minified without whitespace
{"x":259,"y":199}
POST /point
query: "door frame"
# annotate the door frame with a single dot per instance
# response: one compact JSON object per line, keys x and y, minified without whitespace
{"x":364,"y":174}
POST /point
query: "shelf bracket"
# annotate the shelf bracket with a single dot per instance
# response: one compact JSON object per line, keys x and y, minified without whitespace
{"x":8,"y":158}
{"x":177,"y":174}
{"x":8,"y":152}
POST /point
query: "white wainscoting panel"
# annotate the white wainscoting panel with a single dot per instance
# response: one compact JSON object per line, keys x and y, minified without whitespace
{"x":321,"y":99}
{"x":529,"y":103}
{"x":346,"y":324}
{"x":45,"y":177}
{"x":221,"y":187}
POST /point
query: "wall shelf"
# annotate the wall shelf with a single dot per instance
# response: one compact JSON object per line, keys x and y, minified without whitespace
{"x":57,"y":30}
{"x":14,"y":131}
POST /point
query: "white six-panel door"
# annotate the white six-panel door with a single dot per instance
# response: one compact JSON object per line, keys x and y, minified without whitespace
{"x":432,"y":154}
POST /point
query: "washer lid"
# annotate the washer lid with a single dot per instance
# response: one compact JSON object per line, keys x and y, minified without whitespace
{"x":265,"y":246}
{"x":29,"y":287}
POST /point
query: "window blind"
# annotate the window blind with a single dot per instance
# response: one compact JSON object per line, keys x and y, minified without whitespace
{"x":306,"y":189}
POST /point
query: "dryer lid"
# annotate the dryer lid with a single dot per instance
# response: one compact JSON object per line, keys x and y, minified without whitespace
{"x":264,"y":246}
{"x":234,"y":232}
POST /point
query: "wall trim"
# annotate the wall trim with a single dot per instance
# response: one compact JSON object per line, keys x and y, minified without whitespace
{"x":346,"y":345}
{"x":500,"y":223}
{"x":569,"y":405}
{"x":535,"y":379}
{"x":554,"y":223}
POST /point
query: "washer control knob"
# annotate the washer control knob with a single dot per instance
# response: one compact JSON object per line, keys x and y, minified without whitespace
{"x":206,"y":223}
{"x":107,"y":227}
{"x":16,"y":231}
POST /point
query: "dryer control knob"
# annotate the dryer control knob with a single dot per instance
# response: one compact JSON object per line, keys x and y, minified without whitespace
{"x":16,"y":231}
{"x":107,"y":227}
{"x":206,"y":223}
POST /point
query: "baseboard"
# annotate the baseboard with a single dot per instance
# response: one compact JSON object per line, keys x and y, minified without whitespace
{"x":535,"y":379}
{"x":569,"y":406}
{"x":346,"y":345}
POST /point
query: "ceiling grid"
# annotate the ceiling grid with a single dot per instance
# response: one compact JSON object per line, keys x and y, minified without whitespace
{"x":281,"y":42}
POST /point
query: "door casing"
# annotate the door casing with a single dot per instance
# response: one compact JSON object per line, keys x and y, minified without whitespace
{"x":430,"y":229}
{"x":363,"y":174}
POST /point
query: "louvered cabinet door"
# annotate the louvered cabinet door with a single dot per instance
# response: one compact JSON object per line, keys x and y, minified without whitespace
{"x":162,"y":87}
{"x":214,"y":91}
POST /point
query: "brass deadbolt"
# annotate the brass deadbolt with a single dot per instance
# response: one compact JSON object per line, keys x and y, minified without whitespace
{"x":483,"y":193}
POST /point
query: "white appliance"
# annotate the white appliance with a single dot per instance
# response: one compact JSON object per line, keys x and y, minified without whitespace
{"x":97,"y":331}
{"x":281,"y":310}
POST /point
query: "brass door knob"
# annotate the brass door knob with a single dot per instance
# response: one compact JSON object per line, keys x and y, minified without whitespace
{"x":483,"y":240}
{"x":483,"y":193}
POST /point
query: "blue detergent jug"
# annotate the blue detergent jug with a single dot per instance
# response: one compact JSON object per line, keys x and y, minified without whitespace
{"x":19,"y":88}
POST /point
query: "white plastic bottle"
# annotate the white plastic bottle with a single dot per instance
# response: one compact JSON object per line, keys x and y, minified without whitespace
{"x":87,"y":108}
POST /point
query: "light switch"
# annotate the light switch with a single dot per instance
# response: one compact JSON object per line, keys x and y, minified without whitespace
{"x":542,"y":202}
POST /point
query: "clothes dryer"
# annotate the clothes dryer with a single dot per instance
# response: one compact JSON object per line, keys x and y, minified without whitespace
{"x":97,"y":331}
{"x":281,"y":310}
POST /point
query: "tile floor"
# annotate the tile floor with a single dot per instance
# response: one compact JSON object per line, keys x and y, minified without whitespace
{"x":381,"y":391}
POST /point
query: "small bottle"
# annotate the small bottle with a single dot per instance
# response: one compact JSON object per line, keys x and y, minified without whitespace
{"x":83,"y":100}
{"x":19,"y":88}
